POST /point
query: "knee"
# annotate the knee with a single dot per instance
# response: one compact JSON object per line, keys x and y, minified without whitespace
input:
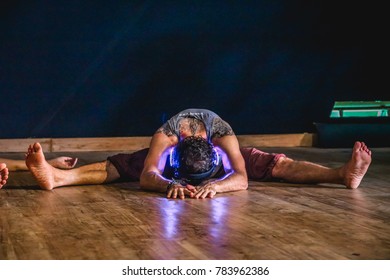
{"x":112,"y":172}
{"x":280,"y":166}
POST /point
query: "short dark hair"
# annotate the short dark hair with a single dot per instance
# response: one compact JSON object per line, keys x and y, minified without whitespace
{"x":195,"y":155}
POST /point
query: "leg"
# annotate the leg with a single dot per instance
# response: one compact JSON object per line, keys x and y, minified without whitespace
{"x":59,"y":162}
{"x":49,"y":177}
{"x":349,"y":174}
{"x":3,"y":174}
{"x":14,"y":164}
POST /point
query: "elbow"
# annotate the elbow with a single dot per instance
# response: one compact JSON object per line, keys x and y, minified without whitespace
{"x":147,"y":181}
{"x":244,"y":183}
{"x":143,"y":182}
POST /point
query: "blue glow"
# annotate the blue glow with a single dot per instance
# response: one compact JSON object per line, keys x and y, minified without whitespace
{"x":225,"y":160}
{"x":170,"y":214}
{"x":218,"y":216}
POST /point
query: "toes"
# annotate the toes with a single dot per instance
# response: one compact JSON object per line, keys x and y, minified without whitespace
{"x":357,"y":146}
{"x":73,"y":162}
{"x":30,"y":149}
{"x":69,"y":162}
{"x":366,"y":149}
{"x":361,"y":147}
{"x":36,"y":147}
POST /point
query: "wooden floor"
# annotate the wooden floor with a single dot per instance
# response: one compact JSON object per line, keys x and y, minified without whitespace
{"x":268,"y":221}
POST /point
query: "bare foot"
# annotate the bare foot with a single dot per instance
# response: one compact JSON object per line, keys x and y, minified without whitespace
{"x":3,"y":174}
{"x":42,"y":171}
{"x":63,"y":162}
{"x":354,"y":171}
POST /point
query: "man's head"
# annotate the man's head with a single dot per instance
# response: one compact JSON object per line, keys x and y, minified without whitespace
{"x":194,"y":159}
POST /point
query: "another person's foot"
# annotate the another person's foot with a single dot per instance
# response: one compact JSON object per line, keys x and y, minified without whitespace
{"x":63,"y":162}
{"x":42,"y":171}
{"x":3,"y":174}
{"x":354,"y":171}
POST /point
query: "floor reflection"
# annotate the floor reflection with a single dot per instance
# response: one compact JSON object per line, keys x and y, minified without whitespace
{"x":180,"y":218}
{"x":218,"y":217}
{"x":171,"y":210}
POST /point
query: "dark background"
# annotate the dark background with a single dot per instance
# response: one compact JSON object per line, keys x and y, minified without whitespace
{"x":120,"y":68}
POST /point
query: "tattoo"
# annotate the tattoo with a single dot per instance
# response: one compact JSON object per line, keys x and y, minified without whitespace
{"x":165,"y":131}
{"x":194,"y":125}
{"x":221,"y":128}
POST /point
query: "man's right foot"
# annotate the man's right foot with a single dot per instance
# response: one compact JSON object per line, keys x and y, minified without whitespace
{"x":3,"y":174}
{"x":42,"y":171}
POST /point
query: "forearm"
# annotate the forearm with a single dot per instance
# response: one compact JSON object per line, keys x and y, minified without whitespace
{"x":231,"y":182}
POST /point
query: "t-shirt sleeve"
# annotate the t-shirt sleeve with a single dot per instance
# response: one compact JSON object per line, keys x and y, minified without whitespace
{"x":166,"y":129}
{"x":220,"y":128}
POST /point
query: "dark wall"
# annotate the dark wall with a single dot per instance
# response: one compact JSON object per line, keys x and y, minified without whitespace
{"x":120,"y":68}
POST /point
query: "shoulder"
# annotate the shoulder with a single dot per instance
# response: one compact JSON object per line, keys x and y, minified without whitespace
{"x":221,"y":128}
{"x":164,"y":130}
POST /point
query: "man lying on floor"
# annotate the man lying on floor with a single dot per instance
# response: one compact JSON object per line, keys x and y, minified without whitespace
{"x":196,"y":154}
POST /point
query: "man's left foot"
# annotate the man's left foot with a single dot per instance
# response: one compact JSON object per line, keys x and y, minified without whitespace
{"x":354,"y":171}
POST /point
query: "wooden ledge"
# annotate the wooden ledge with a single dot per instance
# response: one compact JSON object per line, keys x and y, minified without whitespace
{"x":140,"y":142}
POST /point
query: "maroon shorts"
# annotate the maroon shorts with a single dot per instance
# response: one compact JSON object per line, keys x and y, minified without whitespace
{"x":129,"y":166}
{"x":258,"y":164}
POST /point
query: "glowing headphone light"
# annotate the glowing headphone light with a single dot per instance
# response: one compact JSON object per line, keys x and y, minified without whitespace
{"x":216,"y":159}
{"x":172,"y":158}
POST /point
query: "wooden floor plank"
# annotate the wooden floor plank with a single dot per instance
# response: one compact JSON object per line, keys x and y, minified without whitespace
{"x":268,"y":221}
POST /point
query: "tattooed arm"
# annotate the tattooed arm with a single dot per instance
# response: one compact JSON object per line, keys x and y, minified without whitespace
{"x":151,"y":176}
{"x":236,"y":178}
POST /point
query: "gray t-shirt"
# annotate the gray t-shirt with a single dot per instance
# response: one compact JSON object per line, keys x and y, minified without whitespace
{"x":215,"y":126}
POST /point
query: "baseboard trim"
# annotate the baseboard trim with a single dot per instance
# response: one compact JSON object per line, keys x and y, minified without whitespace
{"x":140,"y":142}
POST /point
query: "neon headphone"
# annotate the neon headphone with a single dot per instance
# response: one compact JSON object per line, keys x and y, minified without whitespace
{"x":192,"y":177}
